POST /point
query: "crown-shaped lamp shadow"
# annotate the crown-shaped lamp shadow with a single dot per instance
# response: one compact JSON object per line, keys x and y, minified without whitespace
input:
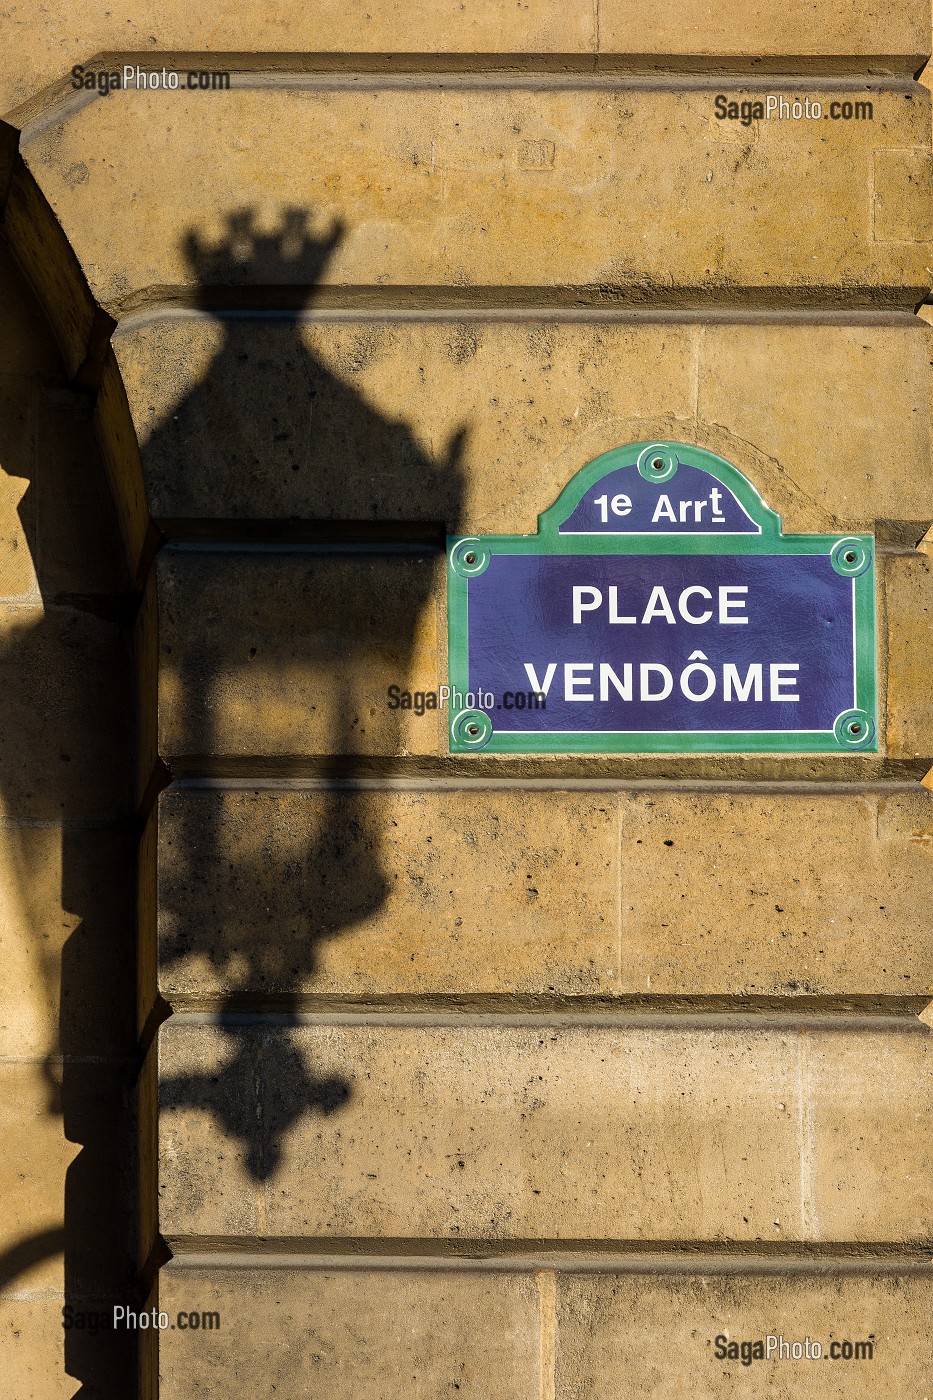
{"x":246,"y":255}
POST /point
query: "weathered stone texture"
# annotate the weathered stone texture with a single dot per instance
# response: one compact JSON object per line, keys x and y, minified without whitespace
{"x":354,"y":1335}
{"x":655,"y":1335}
{"x":774,"y":895}
{"x":40,"y":1361}
{"x":48,"y":48}
{"x":908,"y":598}
{"x":894,"y":35}
{"x":871,"y":1098}
{"x":33,"y":1164}
{"x":65,"y":912}
{"x":590,"y":1336}
{"x":756,"y":29}
{"x":637,"y":1334}
{"x":61,"y":670}
{"x":479,"y":424}
{"x":513,"y":1133}
{"x":60,"y":1230}
{"x":293,"y":653}
{"x":822,"y":405}
{"x":50,"y":264}
{"x":468,"y":423}
{"x":120,"y":453}
{"x":897,"y":176}
{"x":267,"y":893}
{"x":442,"y":188}
{"x":366,"y":893}
{"x":469,"y":241}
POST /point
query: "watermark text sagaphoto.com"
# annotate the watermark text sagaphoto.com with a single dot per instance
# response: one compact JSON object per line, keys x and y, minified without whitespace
{"x":132,"y":78}
{"x":773,"y":107}
{"x":449,"y":697}
{"x":775,"y":1347}
{"x":121,"y":1318}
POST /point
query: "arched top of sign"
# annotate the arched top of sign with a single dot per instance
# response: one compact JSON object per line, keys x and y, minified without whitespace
{"x":659,"y":488}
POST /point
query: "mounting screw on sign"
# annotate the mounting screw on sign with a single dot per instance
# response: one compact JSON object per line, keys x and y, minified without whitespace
{"x":854,"y":729}
{"x":850,"y":557}
{"x":471,"y":728}
{"x":469,"y":559}
{"x":656,"y":462}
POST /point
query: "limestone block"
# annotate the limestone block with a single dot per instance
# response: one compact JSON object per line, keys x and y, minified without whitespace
{"x":355,"y":1335}
{"x":286,"y":36}
{"x":894,"y":36}
{"x":274,"y":893}
{"x":66,"y":941}
{"x":120,"y":453}
{"x":841,"y":414}
{"x":358,"y":625}
{"x":498,"y":187}
{"x":897,"y":216}
{"x":18,"y":402}
{"x":479,"y":424}
{"x":758,"y":30}
{"x":657,"y":1335}
{"x":270,"y":894}
{"x":474,"y":424}
{"x":40,"y":1360}
{"x":33,"y":1164}
{"x":62,"y":672}
{"x":27,"y":348}
{"x":777,"y":895}
{"x":908,"y":599}
{"x":241,"y":673}
{"x":867,"y":1183}
{"x":49,"y":263}
{"x":471,"y":1131}
{"x":31,"y":1348}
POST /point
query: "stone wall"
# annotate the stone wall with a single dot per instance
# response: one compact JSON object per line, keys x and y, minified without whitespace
{"x":67,"y":857}
{"x":513,"y":1076}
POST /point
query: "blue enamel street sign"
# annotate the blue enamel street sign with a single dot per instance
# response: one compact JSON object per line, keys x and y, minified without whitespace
{"x":660,"y":609}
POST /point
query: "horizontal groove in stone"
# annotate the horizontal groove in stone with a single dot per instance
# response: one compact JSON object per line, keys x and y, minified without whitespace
{"x":569,"y":1256}
{"x":329,"y":71}
{"x":285,"y":66}
{"x":465,"y":783}
{"x":625,"y":77}
{"x":642,"y":773}
{"x":176,"y":309}
{"x":877,"y":304}
{"x":661,"y":1014}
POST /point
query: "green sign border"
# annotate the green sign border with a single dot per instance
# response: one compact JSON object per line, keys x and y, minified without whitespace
{"x":548,"y":541}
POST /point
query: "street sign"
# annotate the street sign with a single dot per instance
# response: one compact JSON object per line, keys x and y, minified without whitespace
{"x":659,"y":609}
